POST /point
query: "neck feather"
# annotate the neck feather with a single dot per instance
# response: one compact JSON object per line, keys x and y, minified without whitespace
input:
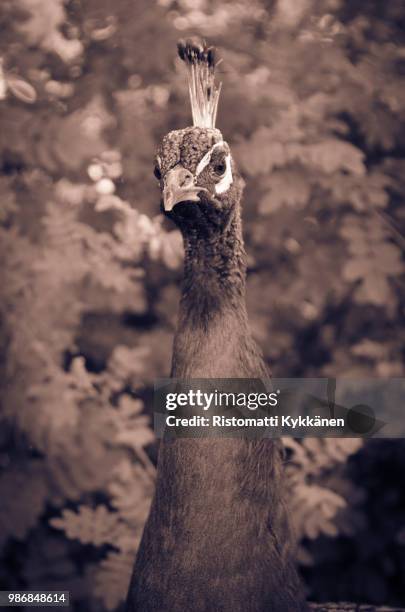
{"x":212,"y":332}
{"x":214,"y":269}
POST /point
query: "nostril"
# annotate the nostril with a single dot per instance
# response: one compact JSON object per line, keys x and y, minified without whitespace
{"x":186,"y":179}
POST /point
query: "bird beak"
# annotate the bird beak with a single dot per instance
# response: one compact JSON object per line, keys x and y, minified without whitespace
{"x":178,"y":186}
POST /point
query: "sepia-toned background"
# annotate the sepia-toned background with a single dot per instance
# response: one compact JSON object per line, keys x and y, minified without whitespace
{"x":313,"y":108}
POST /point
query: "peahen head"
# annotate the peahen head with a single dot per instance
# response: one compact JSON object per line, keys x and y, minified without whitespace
{"x":198,"y":179}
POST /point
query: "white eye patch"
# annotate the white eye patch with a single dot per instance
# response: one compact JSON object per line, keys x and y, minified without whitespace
{"x":226,"y":181}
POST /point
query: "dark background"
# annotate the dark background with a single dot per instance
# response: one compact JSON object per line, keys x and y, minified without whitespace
{"x":313,"y":109}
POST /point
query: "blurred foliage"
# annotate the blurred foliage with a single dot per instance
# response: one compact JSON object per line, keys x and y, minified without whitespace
{"x":313,"y":109}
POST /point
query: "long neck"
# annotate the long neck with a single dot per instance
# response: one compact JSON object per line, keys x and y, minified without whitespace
{"x":214,"y":271}
{"x":213,"y":327}
{"x":218,"y":505}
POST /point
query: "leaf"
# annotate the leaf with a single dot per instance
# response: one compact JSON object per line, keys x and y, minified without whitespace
{"x":318,"y":507}
{"x":8,"y":204}
{"x":42,"y":28}
{"x":133,"y":428}
{"x":356,"y":268}
{"x":364,"y":193}
{"x":370,"y":349}
{"x":260,"y":154}
{"x":375,"y":290}
{"x":131,"y":493}
{"x":330,"y":155}
{"x":389,"y":259}
{"x":95,"y":526}
{"x":285,"y":187}
{"x":373,"y":259}
{"x":112,"y":578}
{"x":21,"y":89}
{"x":77,"y":138}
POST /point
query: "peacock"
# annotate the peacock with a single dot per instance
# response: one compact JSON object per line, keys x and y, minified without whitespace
{"x":218,"y":535}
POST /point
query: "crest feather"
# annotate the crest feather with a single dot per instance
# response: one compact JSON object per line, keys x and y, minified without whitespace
{"x":204,"y":92}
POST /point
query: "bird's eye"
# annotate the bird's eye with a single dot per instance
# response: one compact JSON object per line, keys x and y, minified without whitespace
{"x":157,"y":173}
{"x":220,"y":167}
